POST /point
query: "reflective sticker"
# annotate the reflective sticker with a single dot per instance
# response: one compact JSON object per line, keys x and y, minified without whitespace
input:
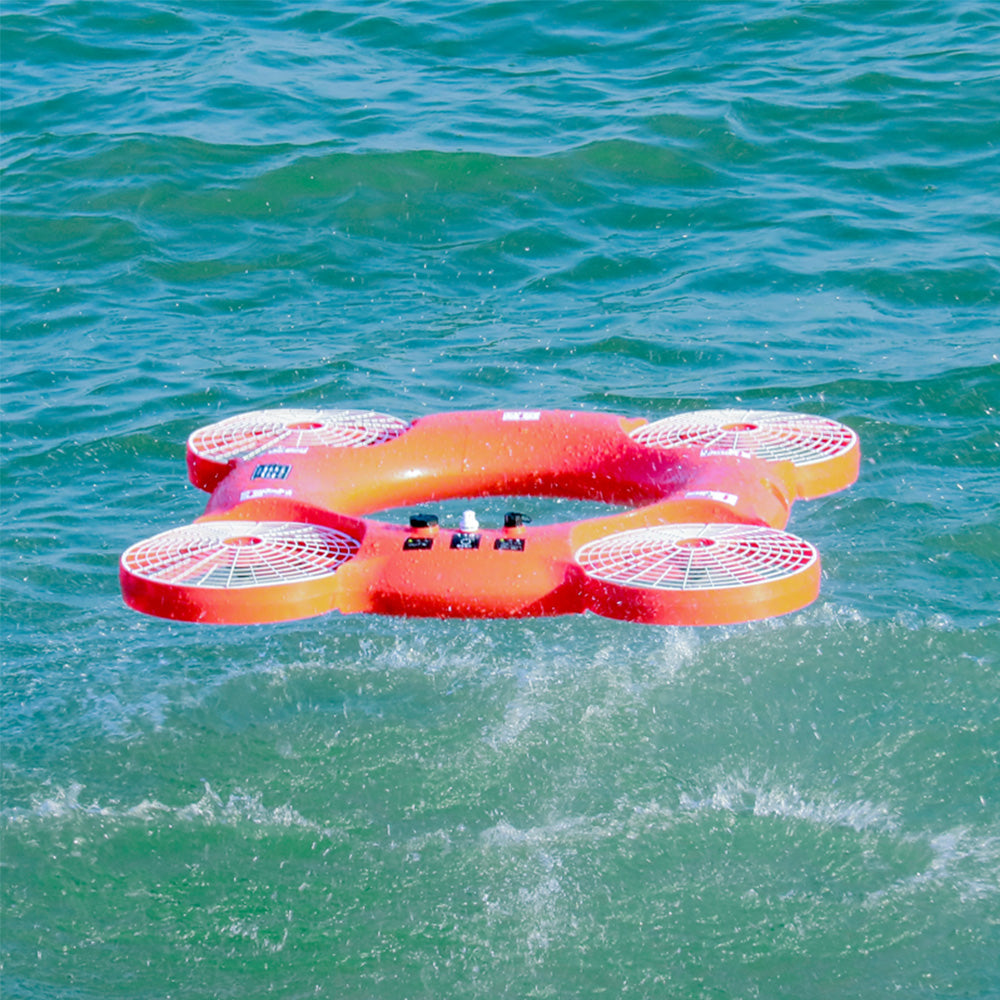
{"x":522,"y":415}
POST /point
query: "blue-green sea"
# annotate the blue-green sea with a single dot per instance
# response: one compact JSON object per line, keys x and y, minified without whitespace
{"x":641,"y":208}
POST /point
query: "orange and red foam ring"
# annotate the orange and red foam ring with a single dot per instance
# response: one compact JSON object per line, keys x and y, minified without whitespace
{"x":287,"y":533}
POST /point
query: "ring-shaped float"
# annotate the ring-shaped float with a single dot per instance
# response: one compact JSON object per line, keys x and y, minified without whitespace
{"x":287,"y":532}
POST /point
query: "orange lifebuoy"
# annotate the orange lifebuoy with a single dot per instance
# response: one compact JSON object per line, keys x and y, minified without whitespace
{"x":286,"y":534}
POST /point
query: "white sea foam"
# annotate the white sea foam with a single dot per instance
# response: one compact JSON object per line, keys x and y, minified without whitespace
{"x":62,"y":805}
{"x":740,"y":794}
{"x":966,"y":861}
{"x":530,"y":887}
{"x":518,"y":716}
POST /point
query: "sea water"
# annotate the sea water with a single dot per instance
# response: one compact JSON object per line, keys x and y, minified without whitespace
{"x":638,"y":208}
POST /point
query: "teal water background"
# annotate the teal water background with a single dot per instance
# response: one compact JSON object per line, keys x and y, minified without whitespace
{"x":640,"y":208}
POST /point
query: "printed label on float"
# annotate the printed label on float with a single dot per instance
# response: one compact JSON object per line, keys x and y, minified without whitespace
{"x":711,"y":452}
{"x":273,"y":491}
{"x":522,"y":414}
{"x":509,"y":545}
{"x":727,"y":498}
{"x":418,"y":543}
{"x":271,"y":470}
